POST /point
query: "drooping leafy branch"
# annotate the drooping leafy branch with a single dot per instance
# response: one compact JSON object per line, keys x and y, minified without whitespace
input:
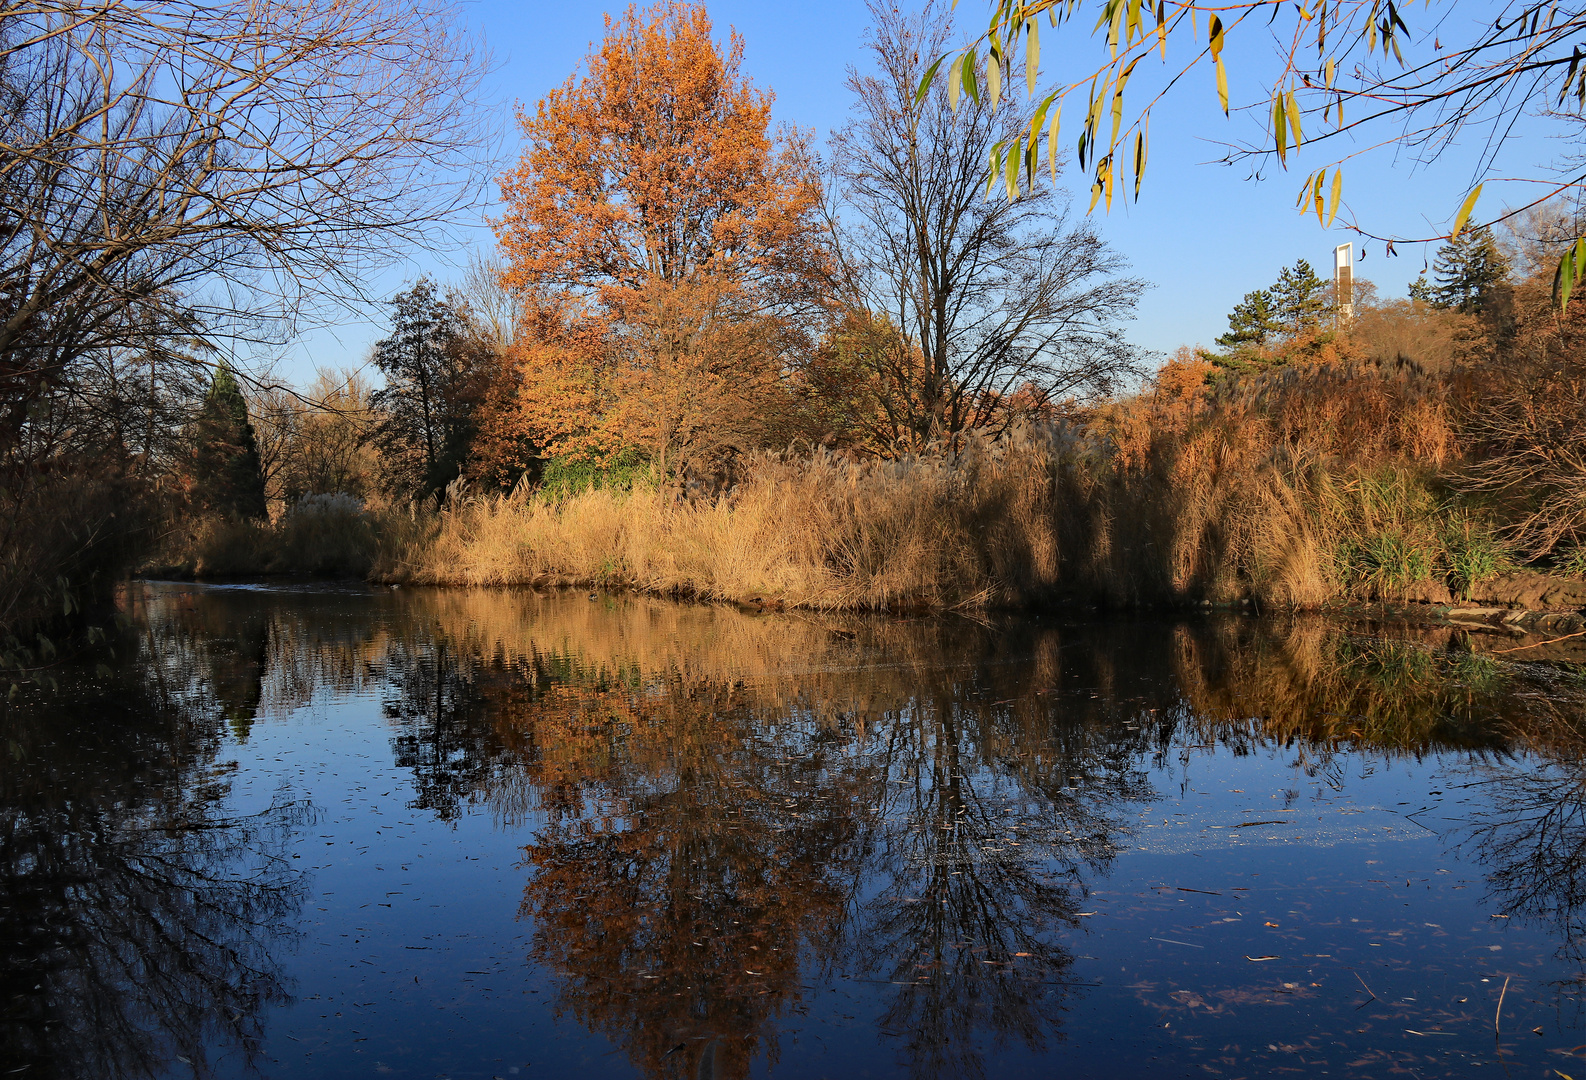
{"x":1343,"y":77}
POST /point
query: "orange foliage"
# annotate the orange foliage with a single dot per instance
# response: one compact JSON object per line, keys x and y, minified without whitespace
{"x":847,"y":385}
{"x":658,"y":164}
{"x":1172,"y":399}
{"x":653,"y":194}
{"x":552,"y":396}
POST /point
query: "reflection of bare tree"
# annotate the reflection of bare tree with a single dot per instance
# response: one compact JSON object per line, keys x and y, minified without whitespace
{"x":1530,"y":832}
{"x":135,"y":922}
{"x":1533,"y":836}
{"x":983,"y":862}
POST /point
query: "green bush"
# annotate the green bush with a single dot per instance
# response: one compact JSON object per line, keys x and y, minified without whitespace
{"x":1572,"y":562}
{"x":1388,"y":562}
{"x":562,"y":478}
{"x":1473,"y":554}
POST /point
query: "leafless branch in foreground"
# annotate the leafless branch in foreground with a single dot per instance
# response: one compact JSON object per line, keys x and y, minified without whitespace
{"x":176,"y":168}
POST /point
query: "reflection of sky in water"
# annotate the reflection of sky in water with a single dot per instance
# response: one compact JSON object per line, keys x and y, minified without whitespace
{"x":988,"y":852}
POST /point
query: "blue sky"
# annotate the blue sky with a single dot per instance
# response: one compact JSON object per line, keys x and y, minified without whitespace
{"x":1203,"y":234}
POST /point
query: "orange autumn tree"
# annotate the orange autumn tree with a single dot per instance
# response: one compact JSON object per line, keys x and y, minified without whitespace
{"x":668,"y":246}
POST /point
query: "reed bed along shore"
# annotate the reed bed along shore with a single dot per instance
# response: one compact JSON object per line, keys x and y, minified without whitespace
{"x":971,"y":530}
{"x":1294,"y":490}
{"x":1297,"y":490}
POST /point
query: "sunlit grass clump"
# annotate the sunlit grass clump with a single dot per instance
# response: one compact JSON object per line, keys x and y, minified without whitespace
{"x":970,"y":529}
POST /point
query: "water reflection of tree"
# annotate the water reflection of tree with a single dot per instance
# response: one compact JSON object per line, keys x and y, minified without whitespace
{"x":695,"y":865}
{"x":252,"y":653}
{"x":136,"y":922}
{"x":712,"y":843}
{"x":442,"y":734}
{"x":734,"y":807}
{"x":998,"y":812}
{"x":1529,"y":829}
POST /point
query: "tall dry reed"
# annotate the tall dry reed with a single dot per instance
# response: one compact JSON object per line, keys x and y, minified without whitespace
{"x":970,"y":529}
{"x":1297,"y":488}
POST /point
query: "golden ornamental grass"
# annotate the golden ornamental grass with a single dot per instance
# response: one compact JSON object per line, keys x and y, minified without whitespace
{"x":1293,"y":490}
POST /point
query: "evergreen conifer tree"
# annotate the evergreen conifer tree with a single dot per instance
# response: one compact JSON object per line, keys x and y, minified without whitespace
{"x":1468,"y":269}
{"x":1250,"y":323}
{"x":1299,"y":299}
{"x":1267,"y":320}
{"x":227,"y":476}
{"x":434,"y":367}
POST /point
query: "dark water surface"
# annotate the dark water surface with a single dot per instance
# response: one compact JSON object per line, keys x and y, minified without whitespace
{"x":343,"y":833}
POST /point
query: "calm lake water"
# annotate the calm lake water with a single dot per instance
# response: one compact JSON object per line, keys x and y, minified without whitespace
{"x":321,"y":832}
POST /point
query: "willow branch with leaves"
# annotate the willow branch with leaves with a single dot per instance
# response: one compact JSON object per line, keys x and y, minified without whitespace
{"x":1344,"y":87}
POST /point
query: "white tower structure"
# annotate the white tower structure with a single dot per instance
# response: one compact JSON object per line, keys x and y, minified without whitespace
{"x":1344,"y":282}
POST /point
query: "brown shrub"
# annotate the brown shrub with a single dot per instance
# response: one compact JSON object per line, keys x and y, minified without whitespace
{"x":67,"y":534}
{"x":1527,"y":428}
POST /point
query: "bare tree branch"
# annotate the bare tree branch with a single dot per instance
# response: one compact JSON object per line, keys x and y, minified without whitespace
{"x":229,"y":169}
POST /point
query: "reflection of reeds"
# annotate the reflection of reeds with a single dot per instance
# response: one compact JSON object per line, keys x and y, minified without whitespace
{"x":1309,"y":679}
{"x":1303,"y":677}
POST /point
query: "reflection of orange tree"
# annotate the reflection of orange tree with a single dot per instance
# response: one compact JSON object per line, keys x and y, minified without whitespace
{"x":698,"y":854}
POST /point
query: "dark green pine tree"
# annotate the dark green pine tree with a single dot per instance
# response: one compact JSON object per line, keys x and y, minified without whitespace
{"x":1250,"y":323}
{"x":227,"y":477}
{"x":1468,"y":271}
{"x":1270,"y":318}
{"x":1299,"y":299}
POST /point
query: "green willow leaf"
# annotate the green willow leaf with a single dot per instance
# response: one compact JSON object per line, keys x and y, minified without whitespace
{"x":928,"y":78}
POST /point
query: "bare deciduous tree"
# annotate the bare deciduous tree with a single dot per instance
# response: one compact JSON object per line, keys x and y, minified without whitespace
{"x":990,"y":301}
{"x":318,"y":442}
{"x":495,"y":311}
{"x":171,"y":164}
